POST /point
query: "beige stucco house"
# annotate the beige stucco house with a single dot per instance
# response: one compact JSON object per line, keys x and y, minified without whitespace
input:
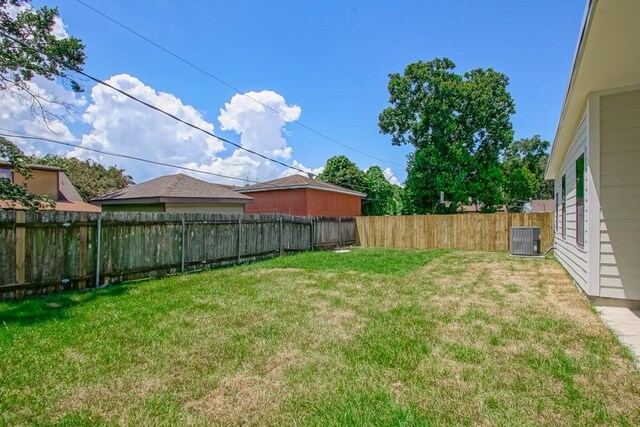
{"x":595,"y":159}
{"x":48,"y":181}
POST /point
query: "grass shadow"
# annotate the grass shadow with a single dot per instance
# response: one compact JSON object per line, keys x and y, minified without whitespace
{"x":39,"y":309}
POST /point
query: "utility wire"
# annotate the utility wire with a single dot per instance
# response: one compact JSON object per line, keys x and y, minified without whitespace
{"x":126,"y":156}
{"x":153,"y":107}
{"x":229,"y":85}
{"x":16,"y":134}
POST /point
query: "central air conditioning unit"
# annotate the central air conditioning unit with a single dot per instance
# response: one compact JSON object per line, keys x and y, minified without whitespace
{"x":525,"y":241}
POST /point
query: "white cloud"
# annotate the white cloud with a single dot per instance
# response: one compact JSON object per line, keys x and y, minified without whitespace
{"x":388,"y":173}
{"x":260,"y":128}
{"x":315,"y":171}
{"x":122,"y":125}
{"x":59,"y":30}
{"x":20,"y":112}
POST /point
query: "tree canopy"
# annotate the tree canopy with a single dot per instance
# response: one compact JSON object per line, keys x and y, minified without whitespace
{"x":29,"y":47}
{"x":524,"y":165}
{"x":459,"y":126}
{"x":383,"y":198}
{"x":341,"y":171}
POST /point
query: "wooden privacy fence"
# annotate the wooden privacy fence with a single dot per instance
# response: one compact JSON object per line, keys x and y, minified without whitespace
{"x":478,"y":232}
{"x":49,"y":251}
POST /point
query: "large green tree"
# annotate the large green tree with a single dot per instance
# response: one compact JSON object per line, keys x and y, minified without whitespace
{"x":91,"y":179}
{"x":383,"y":198}
{"x":459,"y":125}
{"x":524,"y":165}
{"x":341,"y":171}
{"x":29,"y":48}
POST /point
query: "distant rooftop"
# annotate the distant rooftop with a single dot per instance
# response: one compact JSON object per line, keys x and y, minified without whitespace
{"x":297,"y":182}
{"x":174,"y":188}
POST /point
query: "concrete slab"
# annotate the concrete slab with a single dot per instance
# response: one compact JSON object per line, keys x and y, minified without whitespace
{"x":626,"y":324}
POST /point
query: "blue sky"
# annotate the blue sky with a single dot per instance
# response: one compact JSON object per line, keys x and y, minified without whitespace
{"x":331,"y":59}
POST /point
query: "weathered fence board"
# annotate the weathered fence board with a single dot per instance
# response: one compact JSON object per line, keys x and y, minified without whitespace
{"x":7,"y":247}
{"x":47,"y":251}
{"x":332,"y":232}
{"x":480,"y":232}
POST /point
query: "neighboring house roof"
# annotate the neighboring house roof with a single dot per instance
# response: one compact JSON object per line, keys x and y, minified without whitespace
{"x":173,"y":188}
{"x":66,"y":189}
{"x":297,"y":182}
{"x":4,"y":163}
{"x":606,"y":57}
{"x":546,"y":205}
{"x":230,"y":187}
{"x":76,"y":206}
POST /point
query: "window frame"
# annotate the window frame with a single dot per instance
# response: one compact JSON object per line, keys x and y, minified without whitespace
{"x":6,"y":173}
{"x":580,"y":219}
{"x":564,"y":206}
{"x":557,"y":213}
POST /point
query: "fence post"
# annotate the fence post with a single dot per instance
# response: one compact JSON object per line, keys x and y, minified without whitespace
{"x":339,"y":232}
{"x":311,"y":235}
{"x":280,"y":234}
{"x":82,"y":251}
{"x":184,"y":233}
{"x":98,"y":244}
{"x":239,"y":238}
{"x":21,"y":247}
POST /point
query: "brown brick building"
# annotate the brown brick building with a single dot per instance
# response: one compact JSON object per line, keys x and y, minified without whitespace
{"x":302,"y":196}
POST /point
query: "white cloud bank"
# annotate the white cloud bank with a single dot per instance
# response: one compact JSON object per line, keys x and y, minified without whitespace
{"x":122,"y":125}
{"x":20,"y":113}
{"x":388,"y":173}
{"x":119,"y":124}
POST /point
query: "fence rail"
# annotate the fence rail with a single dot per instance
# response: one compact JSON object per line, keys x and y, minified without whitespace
{"x":43,"y":252}
{"x":479,"y":232}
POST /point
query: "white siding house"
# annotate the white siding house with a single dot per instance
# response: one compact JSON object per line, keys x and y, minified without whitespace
{"x":595,"y":159}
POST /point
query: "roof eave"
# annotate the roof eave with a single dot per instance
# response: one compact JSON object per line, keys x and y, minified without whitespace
{"x":554,"y":163}
{"x":302,"y":187}
{"x":155,"y":200}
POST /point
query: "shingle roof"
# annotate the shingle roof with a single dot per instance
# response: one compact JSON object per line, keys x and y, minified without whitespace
{"x":172,"y":187}
{"x":66,"y":189}
{"x":294,"y":182}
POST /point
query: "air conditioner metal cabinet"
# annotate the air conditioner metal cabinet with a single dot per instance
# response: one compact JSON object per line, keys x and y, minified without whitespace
{"x":525,"y":241}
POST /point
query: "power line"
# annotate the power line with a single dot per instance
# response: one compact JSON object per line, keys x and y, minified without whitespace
{"x":153,"y":107}
{"x":126,"y":156}
{"x":229,"y":85}
{"x":17,"y":134}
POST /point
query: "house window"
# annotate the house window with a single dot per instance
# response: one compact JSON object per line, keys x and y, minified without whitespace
{"x":5,"y":173}
{"x":580,"y":201}
{"x":564,"y":206}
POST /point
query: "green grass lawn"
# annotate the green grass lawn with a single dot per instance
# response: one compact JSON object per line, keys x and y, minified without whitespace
{"x":369,"y":337}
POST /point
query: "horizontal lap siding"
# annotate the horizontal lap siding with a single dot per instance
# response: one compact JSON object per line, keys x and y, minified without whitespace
{"x":620,"y":195}
{"x":570,"y":255}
